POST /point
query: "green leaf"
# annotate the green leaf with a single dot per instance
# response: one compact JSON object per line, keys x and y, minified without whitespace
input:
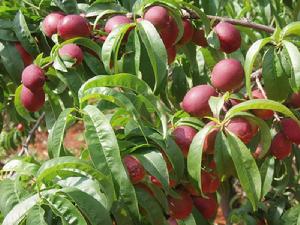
{"x":222,"y":156}
{"x":154,"y":163}
{"x":89,"y":206}
{"x":56,"y":134}
{"x":267,"y":173}
{"x":111,"y":151}
{"x":11,"y":61}
{"x":246,"y":169}
{"x":68,"y":6}
{"x":18,"y":212}
{"x":292,"y":216}
{"x":260,"y":104}
{"x":36,"y":216}
{"x":12,"y":193}
{"x":153,"y":210}
{"x":7,"y":35}
{"x":64,"y":208}
{"x":24,"y":35}
{"x":291,"y":29}
{"x":194,"y":157}
{"x":179,"y":85}
{"x":250,"y":60}
{"x":294,"y":54}
{"x":156,"y":51}
{"x":276,"y":83}
{"x":133,"y":83}
{"x":216,"y":104}
{"x":19,"y":106}
{"x":21,"y":167}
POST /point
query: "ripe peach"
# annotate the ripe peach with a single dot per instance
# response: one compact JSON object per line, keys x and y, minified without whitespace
{"x":158,"y":16}
{"x":169,"y":33}
{"x":135,"y":169}
{"x":72,"y":26}
{"x":156,"y":182}
{"x":261,"y":113}
{"x":172,"y":221}
{"x":115,"y":21}
{"x":206,"y":206}
{"x":26,"y":57}
{"x":242,"y":128}
{"x":32,"y":101}
{"x":183,"y":136}
{"x":295,"y":100}
{"x":291,"y":130}
{"x":210,"y":182}
{"x":281,"y":147}
{"x":180,"y":208}
{"x":227,"y":75}
{"x":71,"y":51}
{"x":188,"y":32}
{"x":33,"y":77}
{"x":229,"y":37}
{"x":20,"y":127}
{"x":209,"y":141}
{"x":195,"y":102}
{"x":171,"y":52}
{"x":49,"y":24}
{"x":199,"y":38}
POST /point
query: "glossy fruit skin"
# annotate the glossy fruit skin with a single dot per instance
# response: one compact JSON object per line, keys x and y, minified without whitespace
{"x":172,"y":221}
{"x":49,"y":25}
{"x":156,"y":182}
{"x":207,"y":207}
{"x":209,"y":141}
{"x":227,"y":75}
{"x":32,"y":101}
{"x":135,"y":169}
{"x":72,"y":26}
{"x":158,"y":16}
{"x":187,"y":33}
{"x":281,"y":147}
{"x":183,"y":136}
{"x":229,"y":37}
{"x":180,"y":208}
{"x":199,"y":38}
{"x":261,"y":113}
{"x":210,"y":182}
{"x":71,"y":51}
{"x":195,"y":102}
{"x":20,"y":127}
{"x":171,"y":52}
{"x":169,"y":33}
{"x":33,"y":77}
{"x":26,"y":57}
{"x":291,"y":130}
{"x":242,"y":128}
{"x":115,"y":21}
{"x":295,"y":100}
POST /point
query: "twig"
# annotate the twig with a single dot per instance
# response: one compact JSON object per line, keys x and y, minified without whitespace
{"x":244,"y":23}
{"x":260,"y":87}
{"x":30,"y":135}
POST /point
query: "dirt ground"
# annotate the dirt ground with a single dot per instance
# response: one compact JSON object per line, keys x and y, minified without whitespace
{"x":74,"y":141}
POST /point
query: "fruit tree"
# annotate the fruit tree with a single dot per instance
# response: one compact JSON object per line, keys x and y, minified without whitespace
{"x":189,"y":112}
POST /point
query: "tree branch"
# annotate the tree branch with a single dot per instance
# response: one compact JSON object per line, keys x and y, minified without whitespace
{"x":30,"y":135}
{"x":244,"y":23}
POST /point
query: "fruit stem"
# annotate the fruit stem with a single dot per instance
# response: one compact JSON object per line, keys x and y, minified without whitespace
{"x":30,"y":134}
